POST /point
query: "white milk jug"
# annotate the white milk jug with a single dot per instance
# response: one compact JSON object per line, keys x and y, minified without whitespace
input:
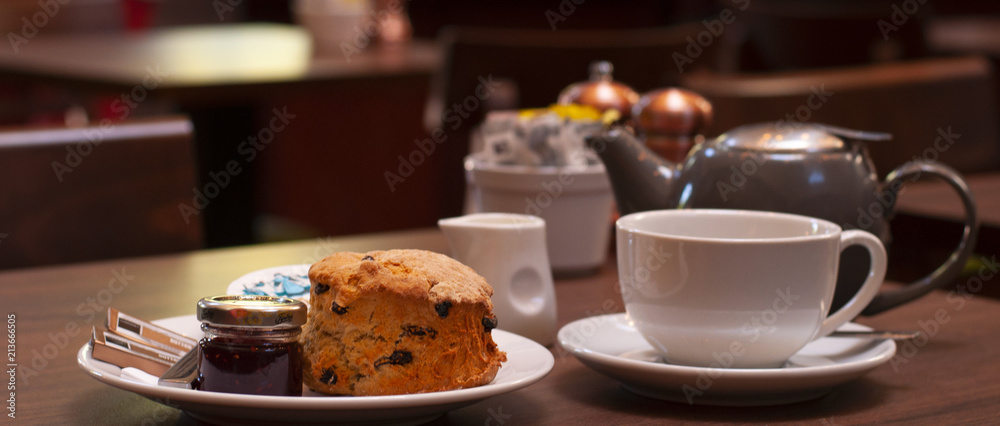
{"x":509,"y":250}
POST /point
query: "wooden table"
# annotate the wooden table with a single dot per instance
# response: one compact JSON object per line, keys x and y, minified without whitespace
{"x":180,"y":63}
{"x":953,"y":377}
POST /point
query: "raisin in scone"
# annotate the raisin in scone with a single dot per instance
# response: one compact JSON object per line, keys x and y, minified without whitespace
{"x":396,"y":322}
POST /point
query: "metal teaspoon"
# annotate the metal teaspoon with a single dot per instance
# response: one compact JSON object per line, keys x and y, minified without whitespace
{"x":877,"y":334}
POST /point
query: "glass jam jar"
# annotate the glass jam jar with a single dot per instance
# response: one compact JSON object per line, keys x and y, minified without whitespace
{"x":251,"y":345}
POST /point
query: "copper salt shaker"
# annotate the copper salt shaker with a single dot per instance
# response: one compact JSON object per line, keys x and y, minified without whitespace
{"x":601,"y":92}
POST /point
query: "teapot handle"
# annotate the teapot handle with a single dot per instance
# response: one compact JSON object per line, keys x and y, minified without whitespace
{"x":947,"y":272}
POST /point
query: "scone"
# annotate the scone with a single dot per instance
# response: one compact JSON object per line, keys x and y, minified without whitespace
{"x":397,"y":322}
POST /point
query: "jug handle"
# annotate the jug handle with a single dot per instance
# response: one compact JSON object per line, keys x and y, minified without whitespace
{"x":947,"y":272}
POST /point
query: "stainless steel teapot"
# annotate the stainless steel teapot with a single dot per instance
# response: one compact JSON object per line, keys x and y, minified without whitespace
{"x":809,"y":169}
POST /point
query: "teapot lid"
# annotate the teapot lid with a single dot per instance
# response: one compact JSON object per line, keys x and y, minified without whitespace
{"x":799,"y":137}
{"x":601,"y":91}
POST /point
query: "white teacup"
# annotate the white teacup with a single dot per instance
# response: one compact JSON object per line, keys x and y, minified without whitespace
{"x":736,"y":288}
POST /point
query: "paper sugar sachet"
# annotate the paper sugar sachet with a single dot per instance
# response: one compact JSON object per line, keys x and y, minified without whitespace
{"x":551,"y":136}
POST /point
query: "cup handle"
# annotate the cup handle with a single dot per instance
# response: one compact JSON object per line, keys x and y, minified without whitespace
{"x":868,"y":291}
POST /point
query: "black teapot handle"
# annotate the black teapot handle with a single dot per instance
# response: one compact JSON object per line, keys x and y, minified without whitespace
{"x":947,"y":272}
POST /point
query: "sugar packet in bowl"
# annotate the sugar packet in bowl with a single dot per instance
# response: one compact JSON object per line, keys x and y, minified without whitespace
{"x":535,"y":162}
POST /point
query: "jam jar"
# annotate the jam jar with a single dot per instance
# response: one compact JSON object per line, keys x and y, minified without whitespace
{"x":251,"y":345}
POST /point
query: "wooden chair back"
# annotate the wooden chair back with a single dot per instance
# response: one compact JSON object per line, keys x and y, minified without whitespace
{"x":939,"y":109}
{"x":795,"y":35}
{"x":98,"y":192}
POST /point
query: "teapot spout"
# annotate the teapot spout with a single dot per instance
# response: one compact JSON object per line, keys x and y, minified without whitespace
{"x":640,"y":179}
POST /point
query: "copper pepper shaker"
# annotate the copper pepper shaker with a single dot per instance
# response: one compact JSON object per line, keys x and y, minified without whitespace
{"x":671,"y":121}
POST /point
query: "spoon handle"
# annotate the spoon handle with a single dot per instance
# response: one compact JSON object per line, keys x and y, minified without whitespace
{"x":877,"y":334}
{"x":183,"y":372}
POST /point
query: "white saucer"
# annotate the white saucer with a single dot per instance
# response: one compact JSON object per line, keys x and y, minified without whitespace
{"x":290,"y":281}
{"x":527,"y":363}
{"x":611,"y":345}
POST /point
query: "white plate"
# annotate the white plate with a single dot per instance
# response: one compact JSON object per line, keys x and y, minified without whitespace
{"x":611,"y":345}
{"x":287,"y":281}
{"x":527,"y":363}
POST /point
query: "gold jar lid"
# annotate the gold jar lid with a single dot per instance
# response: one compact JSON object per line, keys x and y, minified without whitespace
{"x":601,"y":91}
{"x":672,"y":111}
{"x":252,"y":311}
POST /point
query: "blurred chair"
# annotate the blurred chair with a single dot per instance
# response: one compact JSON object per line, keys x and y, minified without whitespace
{"x":917,"y":101}
{"x":81,"y":194}
{"x":528,"y":68}
{"x":965,"y":35}
{"x":788,"y":34}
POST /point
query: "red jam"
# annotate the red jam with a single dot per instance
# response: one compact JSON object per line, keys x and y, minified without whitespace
{"x":248,"y":366}
{"x":251,"y":345}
